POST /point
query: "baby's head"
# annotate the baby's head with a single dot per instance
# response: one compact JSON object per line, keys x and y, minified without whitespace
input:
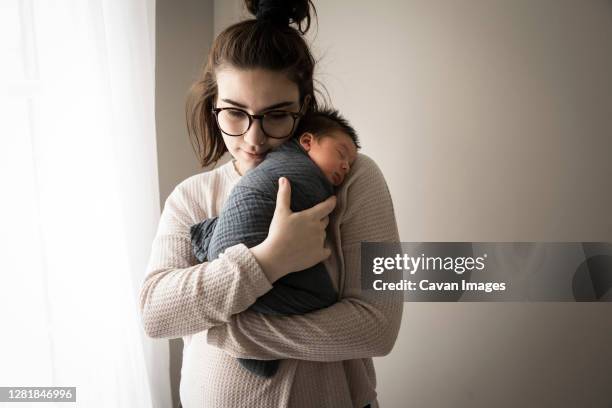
{"x":330,"y":141}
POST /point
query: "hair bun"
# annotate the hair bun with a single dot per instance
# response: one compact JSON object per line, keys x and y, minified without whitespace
{"x":281,"y":12}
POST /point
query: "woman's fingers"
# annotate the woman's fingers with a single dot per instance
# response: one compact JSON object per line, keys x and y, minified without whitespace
{"x":325,"y":222}
{"x":283,"y":197}
{"x":295,"y":241}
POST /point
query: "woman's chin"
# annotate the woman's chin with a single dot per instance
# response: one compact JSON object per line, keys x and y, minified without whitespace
{"x":246,"y":164}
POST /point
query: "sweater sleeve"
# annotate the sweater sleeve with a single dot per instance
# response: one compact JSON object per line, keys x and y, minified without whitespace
{"x":361,"y":324}
{"x":180,"y":297}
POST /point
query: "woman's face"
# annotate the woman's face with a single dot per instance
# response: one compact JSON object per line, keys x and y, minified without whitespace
{"x":255,"y":91}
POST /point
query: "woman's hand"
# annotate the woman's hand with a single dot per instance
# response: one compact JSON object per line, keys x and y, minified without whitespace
{"x":295,"y":240}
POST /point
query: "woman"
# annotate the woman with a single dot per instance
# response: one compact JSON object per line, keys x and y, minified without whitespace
{"x":264,"y":66}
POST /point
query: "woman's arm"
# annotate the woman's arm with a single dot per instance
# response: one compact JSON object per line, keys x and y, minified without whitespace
{"x":361,"y":324}
{"x":178,"y":297}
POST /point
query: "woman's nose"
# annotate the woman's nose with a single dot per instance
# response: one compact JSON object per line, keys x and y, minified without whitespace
{"x":255,"y":135}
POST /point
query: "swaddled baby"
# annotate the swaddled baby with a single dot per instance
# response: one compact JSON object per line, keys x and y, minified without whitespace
{"x":315,"y":161}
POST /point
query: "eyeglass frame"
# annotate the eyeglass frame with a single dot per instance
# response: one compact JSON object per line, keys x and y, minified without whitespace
{"x":294,"y":115}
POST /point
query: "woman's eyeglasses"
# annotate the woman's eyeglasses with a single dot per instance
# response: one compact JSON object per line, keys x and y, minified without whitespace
{"x":277,"y":124}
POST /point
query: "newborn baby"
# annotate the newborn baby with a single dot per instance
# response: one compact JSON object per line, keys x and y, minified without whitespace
{"x":315,"y":161}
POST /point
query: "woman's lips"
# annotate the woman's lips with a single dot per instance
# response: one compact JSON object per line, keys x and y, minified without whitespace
{"x":255,"y":156}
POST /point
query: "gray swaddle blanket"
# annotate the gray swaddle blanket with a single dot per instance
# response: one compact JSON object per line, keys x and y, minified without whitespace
{"x":245,"y":218}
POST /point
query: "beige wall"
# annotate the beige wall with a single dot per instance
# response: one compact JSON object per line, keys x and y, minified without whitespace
{"x":184,"y":33}
{"x":492,"y":121}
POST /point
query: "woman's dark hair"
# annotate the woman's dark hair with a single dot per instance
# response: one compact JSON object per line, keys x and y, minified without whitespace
{"x":322,"y":122}
{"x":269,"y":42}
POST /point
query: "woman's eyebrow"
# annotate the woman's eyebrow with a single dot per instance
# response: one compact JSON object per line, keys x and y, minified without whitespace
{"x":275,"y":106}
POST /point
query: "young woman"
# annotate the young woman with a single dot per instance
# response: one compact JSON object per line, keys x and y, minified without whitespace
{"x":260,"y":73}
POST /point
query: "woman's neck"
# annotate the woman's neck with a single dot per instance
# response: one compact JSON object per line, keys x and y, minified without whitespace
{"x":237,"y":166}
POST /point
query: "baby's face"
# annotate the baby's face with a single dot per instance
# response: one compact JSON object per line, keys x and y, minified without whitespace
{"x":333,"y":153}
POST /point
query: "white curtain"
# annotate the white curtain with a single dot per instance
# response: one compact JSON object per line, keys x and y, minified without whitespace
{"x":79,"y":199}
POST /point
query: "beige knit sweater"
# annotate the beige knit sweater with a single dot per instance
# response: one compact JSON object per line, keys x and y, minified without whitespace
{"x":326,"y":355}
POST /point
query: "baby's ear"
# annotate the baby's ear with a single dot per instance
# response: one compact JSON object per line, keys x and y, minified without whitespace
{"x":306,"y":140}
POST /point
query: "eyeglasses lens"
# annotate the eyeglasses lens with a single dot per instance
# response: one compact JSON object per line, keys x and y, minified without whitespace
{"x":275,"y":124}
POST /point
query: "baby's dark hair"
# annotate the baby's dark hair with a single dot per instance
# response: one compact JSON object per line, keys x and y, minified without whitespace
{"x":323,"y":121}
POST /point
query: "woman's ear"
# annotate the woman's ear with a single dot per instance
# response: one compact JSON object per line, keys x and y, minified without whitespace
{"x":306,"y":103}
{"x":306,"y":140}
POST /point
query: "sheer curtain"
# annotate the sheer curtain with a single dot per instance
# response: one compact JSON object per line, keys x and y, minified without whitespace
{"x":79,"y":199}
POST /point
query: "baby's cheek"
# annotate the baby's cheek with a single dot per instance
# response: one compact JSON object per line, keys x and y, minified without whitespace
{"x":329,"y":170}
{"x":328,"y":174}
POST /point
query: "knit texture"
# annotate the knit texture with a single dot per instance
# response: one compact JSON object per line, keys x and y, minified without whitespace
{"x":326,"y":354}
{"x":246,"y":218}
